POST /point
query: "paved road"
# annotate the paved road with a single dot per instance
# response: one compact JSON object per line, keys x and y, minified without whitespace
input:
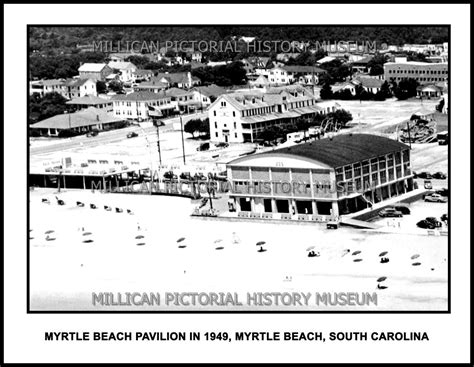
{"x":103,"y":138}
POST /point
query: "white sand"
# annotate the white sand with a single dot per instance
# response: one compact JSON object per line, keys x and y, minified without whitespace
{"x":64,"y":272}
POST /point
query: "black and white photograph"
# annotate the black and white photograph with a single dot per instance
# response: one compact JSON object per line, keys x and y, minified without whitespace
{"x":290,"y":167}
{"x":239,"y":168}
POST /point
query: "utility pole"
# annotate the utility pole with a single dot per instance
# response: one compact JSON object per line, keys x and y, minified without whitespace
{"x":182,"y":138}
{"x":409,"y":136}
{"x":158,"y":141}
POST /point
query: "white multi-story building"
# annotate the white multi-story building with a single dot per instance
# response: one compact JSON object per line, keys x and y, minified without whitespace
{"x":43,"y":87}
{"x":241,"y":117}
{"x":289,"y":74}
{"x":142,"y":105}
{"x":127,"y":69}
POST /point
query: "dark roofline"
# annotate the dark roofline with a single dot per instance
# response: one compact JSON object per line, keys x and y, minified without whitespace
{"x":341,"y":150}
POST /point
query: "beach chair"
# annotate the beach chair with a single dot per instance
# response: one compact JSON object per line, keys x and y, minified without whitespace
{"x":93,"y":206}
{"x":79,"y":204}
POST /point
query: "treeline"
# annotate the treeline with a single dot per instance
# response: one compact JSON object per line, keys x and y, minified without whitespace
{"x":61,"y":66}
{"x":54,"y":38}
{"x":405,"y":89}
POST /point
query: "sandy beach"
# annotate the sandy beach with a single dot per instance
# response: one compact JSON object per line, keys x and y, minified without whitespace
{"x":97,"y":251}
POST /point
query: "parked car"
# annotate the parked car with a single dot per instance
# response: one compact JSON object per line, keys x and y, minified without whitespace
{"x":436,"y":198}
{"x":92,"y":133}
{"x":425,"y":224}
{"x":185,"y":176}
{"x":203,"y":147}
{"x":443,"y":192}
{"x":403,"y":208}
{"x":424,"y":175}
{"x":222,"y":145}
{"x":169,"y":175}
{"x":434,"y":221}
{"x":390,"y":212}
{"x":439,"y":176}
{"x":444,"y":218}
{"x":132,"y":134}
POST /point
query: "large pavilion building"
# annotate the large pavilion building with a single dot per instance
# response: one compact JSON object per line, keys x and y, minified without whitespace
{"x":320,"y":180}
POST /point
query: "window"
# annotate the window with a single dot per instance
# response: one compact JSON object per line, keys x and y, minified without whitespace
{"x":214,"y":113}
{"x":217,"y":134}
{"x":235,"y":134}
{"x":233,"y":113}
{"x":235,"y":125}
{"x":357,"y":170}
{"x":348,"y":172}
{"x":215,"y":124}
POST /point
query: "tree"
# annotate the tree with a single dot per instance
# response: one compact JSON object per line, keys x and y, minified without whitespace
{"x":203,"y":127}
{"x":116,"y":86}
{"x":440,"y":105}
{"x":271,"y":134}
{"x":375,"y":64}
{"x":44,"y":107}
{"x":340,"y":117}
{"x":385,"y":90}
{"x":101,"y":87}
{"x":326,"y":92}
{"x":405,"y":89}
{"x":192,"y":126}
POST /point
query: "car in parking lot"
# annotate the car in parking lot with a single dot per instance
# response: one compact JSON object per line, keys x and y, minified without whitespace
{"x":92,"y":133}
{"x":132,"y":134}
{"x":390,"y":212}
{"x":425,"y":224}
{"x":169,"y":175}
{"x":439,"y":176}
{"x":436,"y":198}
{"x":403,"y":208}
{"x":424,"y":175}
{"x":222,"y":145}
{"x":434,"y":221}
{"x":203,"y":147}
{"x":444,"y":218}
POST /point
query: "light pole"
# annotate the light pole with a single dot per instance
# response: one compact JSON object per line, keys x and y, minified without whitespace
{"x":182,"y":138}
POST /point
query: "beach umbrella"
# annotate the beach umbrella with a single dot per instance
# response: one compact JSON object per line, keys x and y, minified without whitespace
{"x":310,"y":248}
{"x":49,"y":231}
{"x":88,"y":241}
{"x":218,"y":240}
{"x":141,"y":244}
{"x":416,"y":256}
{"x":86,"y":233}
{"x":219,"y":248}
{"x":381,"y":279}
{"x":357,"y":260}
{"x":356,"y":253}
{"x":416,"y":264}
{"x":261,"y":243}
{"x":182,"y":246}
{"x":139,"y":237}
{"x":383,"y":253}
{"x":180,"y":240}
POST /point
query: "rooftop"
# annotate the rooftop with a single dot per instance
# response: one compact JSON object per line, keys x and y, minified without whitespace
{"x":302,"y":69}
{"x":92,"y":67}
{"x":89,"y":100}
{"x":121,"y":65}
{"x":343,"y":149}
{"x":87,"y":117}
{"x":140,"y":96}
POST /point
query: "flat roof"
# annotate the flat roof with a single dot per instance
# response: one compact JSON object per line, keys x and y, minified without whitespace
{"x":342,"y":149}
